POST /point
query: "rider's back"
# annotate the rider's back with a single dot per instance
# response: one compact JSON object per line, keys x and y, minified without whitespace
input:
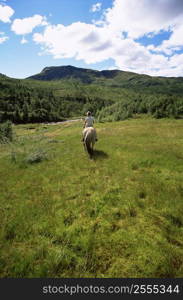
{"x":89,"y":121}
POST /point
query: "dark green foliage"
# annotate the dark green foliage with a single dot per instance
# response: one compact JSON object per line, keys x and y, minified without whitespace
{"x":116,"y":112}
{"x":6,"y":132}
{"x":21,"y":103}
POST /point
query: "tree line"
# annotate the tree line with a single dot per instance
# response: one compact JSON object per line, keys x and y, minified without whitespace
{"x":28,"y":102}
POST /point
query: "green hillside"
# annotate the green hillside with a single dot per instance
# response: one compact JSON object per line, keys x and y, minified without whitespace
{"x":58,"y":93}
{"x":112,"y":78}
{"x":66,"y":72}
{"x":118,"y":215}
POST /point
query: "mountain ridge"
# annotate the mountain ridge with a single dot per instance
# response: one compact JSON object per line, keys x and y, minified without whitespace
{"x":113,"y":78}
{"x":68,"y":71}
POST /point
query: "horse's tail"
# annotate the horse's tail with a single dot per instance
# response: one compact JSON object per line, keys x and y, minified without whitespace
{"x":89,"y":141}
{"x":88,"y":145}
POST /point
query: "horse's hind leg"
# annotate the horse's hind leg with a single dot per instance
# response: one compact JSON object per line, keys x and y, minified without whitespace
{"x":84,"y":145}
{"x":92,"y":146}
{"x":92,"y":150}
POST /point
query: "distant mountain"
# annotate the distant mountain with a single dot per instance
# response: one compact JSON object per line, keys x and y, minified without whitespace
{"x":3,"y":76}
{"x":70,"y":72}
{"x":113,"y":78}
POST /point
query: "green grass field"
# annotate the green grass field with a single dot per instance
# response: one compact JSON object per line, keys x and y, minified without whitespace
{"x":118,"y":215}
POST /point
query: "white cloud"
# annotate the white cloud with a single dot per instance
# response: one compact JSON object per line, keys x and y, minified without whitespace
{"x":131,"y":56}
{"x":96,"y":7}
{"x":6,"y":13}
{"x":27,"y":25}
{"x":3,"y":37}
{"x":95,"y":44}
{"x":114,"y":37}
{"x":78,"y":40}
{"x":23,"y":41}
{"x":141,"y":17}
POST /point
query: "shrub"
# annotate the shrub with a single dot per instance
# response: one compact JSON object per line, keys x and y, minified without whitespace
{"x":6,"y":132}
{"x":36,"y":156}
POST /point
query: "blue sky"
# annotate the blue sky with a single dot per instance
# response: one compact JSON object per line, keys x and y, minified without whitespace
{"x":142,"y":36}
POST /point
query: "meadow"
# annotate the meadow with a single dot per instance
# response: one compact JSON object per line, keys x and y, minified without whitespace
{"x":119,"y":214}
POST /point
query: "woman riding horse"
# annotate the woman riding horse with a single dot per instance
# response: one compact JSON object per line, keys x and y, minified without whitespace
{"x":89,"y":121}
{"x":89,"y":134}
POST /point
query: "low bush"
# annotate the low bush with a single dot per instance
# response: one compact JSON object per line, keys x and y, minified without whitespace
{"x":6,"y":132}
{"x":36,"y":156}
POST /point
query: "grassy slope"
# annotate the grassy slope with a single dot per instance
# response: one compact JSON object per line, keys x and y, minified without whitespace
{"x":119,"y":215}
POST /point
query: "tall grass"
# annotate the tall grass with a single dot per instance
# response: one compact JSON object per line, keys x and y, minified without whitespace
{"x":118,"y":215}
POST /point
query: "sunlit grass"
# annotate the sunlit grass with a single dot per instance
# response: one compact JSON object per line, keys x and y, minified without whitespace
{"x":118,"y":215}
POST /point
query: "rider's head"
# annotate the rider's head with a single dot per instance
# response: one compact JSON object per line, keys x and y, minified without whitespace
{"x":88,"y":113}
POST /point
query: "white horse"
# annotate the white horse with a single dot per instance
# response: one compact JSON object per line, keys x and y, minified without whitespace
{"x":89,"y":138}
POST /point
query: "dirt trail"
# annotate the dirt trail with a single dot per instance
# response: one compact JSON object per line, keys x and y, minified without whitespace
{"x":63,"y":122}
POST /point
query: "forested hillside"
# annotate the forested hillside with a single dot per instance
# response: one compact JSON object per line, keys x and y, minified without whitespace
{"x":58,"y":93}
